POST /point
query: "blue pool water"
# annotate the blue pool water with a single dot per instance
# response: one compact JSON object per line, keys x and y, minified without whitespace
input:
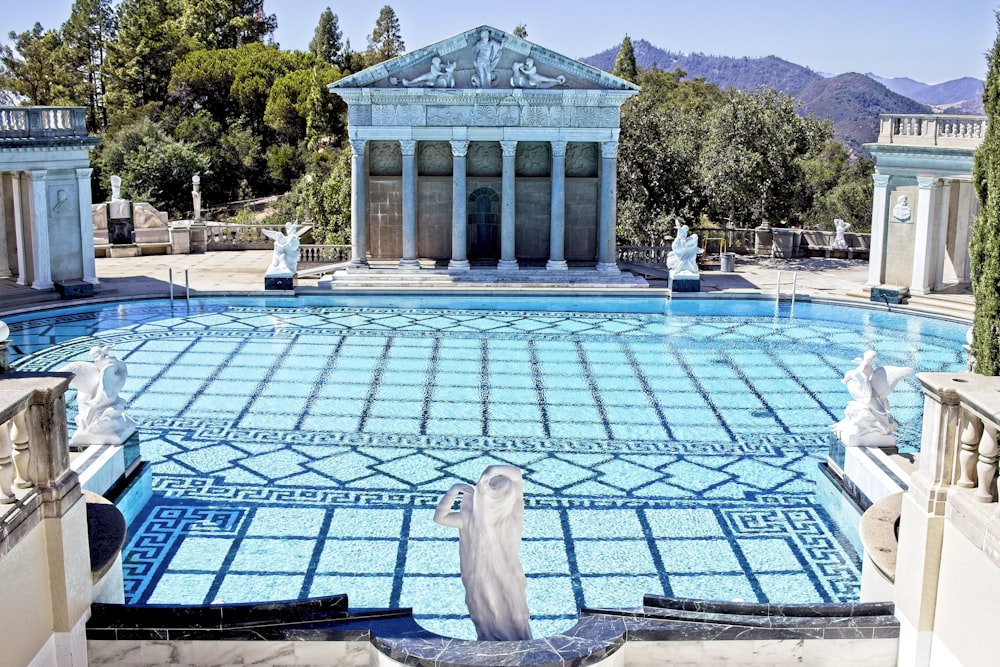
{"x":299,"y":446}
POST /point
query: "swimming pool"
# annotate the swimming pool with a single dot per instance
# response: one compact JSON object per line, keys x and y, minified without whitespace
{"x":299,"y":446}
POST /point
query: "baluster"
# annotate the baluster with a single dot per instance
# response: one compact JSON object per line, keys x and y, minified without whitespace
{"x":6,"y":466}
{"x":22,"y":454}
{"x":969,"y":440}
{"x":987,"y":466}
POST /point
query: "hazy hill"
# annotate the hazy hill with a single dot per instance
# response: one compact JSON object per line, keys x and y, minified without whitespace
{"x":852,"y":101}
{"x":963,"y":95}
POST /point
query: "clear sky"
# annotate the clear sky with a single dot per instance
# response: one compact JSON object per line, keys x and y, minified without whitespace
{"x":928,"y":40}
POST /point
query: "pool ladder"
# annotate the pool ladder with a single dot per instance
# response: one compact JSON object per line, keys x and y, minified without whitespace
{"x":777,"y":290}
{"x":187,"y":284}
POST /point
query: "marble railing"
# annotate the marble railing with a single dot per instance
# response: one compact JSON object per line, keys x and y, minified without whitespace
{"x":232,"y":236}
{"x":932,"y":130}
{"x":958,"y":462}
{"x":42,"y":122}
{"x":35,"y":473}
{"x":324,"y":254}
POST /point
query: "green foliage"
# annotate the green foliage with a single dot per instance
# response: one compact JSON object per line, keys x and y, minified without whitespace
{"x":226,"y":24}
{"x":520,"y":31}
{"x":751,"y":158}
{"x":386,"y":41}
{"x":834,"y":187}
{"x":326,"y":44}
{"x":625,"y":66}
{"x":32,"y":69}
{"x":85,"y":36}
{"x":154,"y":167}
{"x":985,"y":248}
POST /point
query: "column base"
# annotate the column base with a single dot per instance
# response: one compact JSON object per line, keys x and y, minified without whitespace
{"x":507,"y":265}
{"x":459,"y":265}
{"x":409,"y":263}
{"x":358,"y":264}
{"x":556,"y":265}
{"x":609,"y":267}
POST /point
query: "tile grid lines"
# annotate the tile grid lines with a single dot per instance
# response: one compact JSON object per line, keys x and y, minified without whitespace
{"x":647,"y":388}
{"x":536,"y":378}
{"x":310,"y":573}
{"x":220,"y":576}
{"x":654,"y":552}
{"x":741,"y":557}
{"x":404,"y":539}
{"x":779,"y":363}
{"x":428,"y":386}
{"x":705,"y":395}
{"x":595,"y":391}
{"x":321,"y":381}
{"x":276,"y":363}
{"x":196,"y":394}
{"x":376,"y":383}
{"x":753,"y":390}
{"x":484,"y":385}
{"x":574,"y":568}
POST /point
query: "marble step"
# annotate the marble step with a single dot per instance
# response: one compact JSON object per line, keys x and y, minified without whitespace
{"x":478,"y":278}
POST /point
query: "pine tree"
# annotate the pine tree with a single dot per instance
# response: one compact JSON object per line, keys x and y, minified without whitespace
{"x":625,"y":67}
{"x":985,"y":248}
{"x":385,"y":42}
{"x":326,"y":44}
{"x":86,"y":34}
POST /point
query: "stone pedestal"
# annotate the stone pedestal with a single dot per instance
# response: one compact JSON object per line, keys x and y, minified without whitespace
{"x":199,"y":238}
{"x":74,"y":289}
{"x":123,"y":251}
{"x":180,"y":240}
{"x":890,"y":294}
{"x":686,"y":284}
{"x":279,"y":282}
{"x":847,"y":433}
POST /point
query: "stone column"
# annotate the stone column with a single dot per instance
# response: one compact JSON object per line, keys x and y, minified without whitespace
{"x":557,"y":224}
{"x":880,"y":223}
{"x":41,"y":261}
{"x":409,"y":260}
{"x":607,"y":250}
{"x":22,"y":245}
{"x":508,"y":261}
{"x":359,"y":203}
{"x":459,"y":219}
{"x":924,"y":248}
{"x":86,"y":225}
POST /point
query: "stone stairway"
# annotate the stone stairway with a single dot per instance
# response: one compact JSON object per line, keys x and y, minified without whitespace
{"x":959,"y":305}
{"x":477,"y":278}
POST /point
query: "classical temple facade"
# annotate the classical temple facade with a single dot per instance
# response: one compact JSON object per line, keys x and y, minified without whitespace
{"x":484,"y":150}
{"x":925,"y":203}
{"x":46,"y":234}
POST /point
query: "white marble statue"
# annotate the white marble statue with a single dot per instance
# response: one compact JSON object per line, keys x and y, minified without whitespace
{"x":285,"y":260}
{"x":901,"y":211}
{"x":100,"y":418}
{"x":683,"y":257}
{"x":116,"y":188}
{"x":840,"y":243}
{"x":526,"y":76}
{"x":867,"y":419}
{"x":486,"y":57}
{"x":196,"y":196}
{"x":489,"y":521}
{"x":440,"y":75}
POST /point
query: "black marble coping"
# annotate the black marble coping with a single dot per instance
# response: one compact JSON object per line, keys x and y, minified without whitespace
{"x":591,"y":640}
{"x":106,"y":533}
{"x":819,"y":609}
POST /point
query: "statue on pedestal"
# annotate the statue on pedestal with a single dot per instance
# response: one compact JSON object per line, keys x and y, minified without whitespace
{"x":101,"y":418}
{"x":840,"y":243}
{"x":285,"y":260}
{"x":489,"y":521}
{"x":867,"y":420}
{"x":116,"y":188}
{"x":683,"y":257}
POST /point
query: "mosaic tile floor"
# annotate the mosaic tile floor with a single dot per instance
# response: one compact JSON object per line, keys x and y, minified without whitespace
{"x":301,"y":452}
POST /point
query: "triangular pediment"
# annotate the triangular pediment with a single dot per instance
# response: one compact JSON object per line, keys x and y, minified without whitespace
{"x":464,"y":61}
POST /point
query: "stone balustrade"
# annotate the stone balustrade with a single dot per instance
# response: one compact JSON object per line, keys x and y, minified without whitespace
{"x":324,"y":254}
{"x":233,"y":236}
{"x":42,"y":122}
{"x":932,"y":130}
{"x":958,"y":463}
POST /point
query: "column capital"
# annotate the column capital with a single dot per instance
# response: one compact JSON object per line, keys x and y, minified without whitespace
{"x":509,"y":148}
{"x":926,"y":182}
{"x":558,"y":148}
{"x":609,"y":149}
{"x":459,"y":148}
{"x":358,"y":147}
{"x":84,"y":174}
{"x":881,"y":180}
{"x":408,"y":146}
{"x":38,"y":174}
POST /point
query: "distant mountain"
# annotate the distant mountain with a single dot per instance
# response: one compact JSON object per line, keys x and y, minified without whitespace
{"x":852,"y":101}
{"x":963,"y":95}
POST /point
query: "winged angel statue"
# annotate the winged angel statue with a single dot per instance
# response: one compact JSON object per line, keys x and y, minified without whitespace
{"x":867,"y":420}
{"x":100,"y":418}
{"x":285,"y":260}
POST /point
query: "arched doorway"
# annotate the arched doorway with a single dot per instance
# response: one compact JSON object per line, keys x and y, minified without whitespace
{"x":484,"y":224}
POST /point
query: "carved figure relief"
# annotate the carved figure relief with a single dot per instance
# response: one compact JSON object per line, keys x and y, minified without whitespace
{"x":62,"y":204}
{"x":439,"y":76}
{"x":901,"y":211}
{"x":486,"y":57}
{"x":526,"y":76}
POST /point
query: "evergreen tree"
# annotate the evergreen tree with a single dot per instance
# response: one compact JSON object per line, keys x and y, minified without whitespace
{"x":32,"y":69}
{"x":85,"y":35}
{"x":521,"y":31}
{"x":985,"y":247}
{"x":385,"y":42}
{"x":625,"y":67}
{"x":226,"y":24}
{"x":325,"y":44}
